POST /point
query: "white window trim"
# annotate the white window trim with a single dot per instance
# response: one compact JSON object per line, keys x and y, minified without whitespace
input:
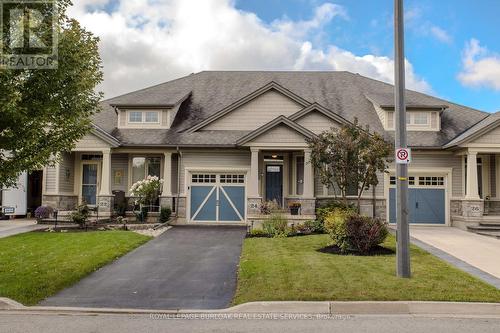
{"x":162,"y":122}
{"x":130,"y":167}
{"x":412,"y":126}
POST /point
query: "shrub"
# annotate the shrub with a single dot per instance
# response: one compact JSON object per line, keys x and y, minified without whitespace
{"x":328,"y":208}
{"x":258,"y":233}
{"x":121,"y":208}
{"x":81,"y":215}
{"x":353,"y":232}
{"x":142,"y":214}
{"x":335,"y":226}
{"x":269,"y":207}
{"x":276,"y":225}
{"x":43,"y":212}
{"x":165,"y":213}
{"x":364,"y":232}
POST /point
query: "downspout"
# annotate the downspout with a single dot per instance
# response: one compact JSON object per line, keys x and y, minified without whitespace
{"x":179,"y":157}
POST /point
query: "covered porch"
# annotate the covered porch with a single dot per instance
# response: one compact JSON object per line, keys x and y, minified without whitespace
{"x":284,"y":176}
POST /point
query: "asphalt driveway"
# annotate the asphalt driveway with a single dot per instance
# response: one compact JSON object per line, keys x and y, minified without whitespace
{"x":187,"y":267}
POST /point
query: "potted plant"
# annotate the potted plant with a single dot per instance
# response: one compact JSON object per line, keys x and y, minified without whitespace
{"x":294,"y":208}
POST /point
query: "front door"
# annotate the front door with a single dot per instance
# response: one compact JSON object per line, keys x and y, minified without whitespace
{"x":89,"y":183}
{"x":274,"y":183}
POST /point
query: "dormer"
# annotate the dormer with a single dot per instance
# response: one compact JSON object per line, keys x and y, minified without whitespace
{"x":419,"y":117}
{"x":147,"y":116}
{"x":140,"y":117}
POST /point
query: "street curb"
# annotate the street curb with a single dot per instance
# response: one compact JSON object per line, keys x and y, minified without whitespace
{"x":291,"y":307}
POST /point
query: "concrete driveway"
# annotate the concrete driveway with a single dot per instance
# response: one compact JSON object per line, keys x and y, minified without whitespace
{"x":19,"y":226}
{"x":191,"y":267}
{"x":479,"y":251}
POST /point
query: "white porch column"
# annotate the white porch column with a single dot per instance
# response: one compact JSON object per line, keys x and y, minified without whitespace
{"x":167,"y":175}
{"x":472,"y":187}
{"x":106,"y":173}
{"x":253,"y":186}
{"x":308,"y":175}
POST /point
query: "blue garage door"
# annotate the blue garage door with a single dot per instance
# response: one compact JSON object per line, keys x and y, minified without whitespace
{"x":217,"y":198}
{"x":426,"y":205}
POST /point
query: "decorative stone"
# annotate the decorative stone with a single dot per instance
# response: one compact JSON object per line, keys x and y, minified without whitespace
{"x":472,"y":208}
{"x":253,"y":206}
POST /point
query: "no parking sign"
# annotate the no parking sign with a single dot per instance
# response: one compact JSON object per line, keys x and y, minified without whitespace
{"x":403,"y":155}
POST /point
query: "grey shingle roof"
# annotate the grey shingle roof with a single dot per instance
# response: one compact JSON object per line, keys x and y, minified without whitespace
{"x":475,"y":129}
{"x":343,"y":93}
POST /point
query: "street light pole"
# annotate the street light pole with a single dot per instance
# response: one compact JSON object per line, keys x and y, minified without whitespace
{"x":403,"y":232}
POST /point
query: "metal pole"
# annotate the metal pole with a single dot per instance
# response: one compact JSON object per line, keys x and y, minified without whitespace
{"x":403,"y":232}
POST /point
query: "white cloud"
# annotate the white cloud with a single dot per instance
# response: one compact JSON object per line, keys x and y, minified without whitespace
{"x":146,"y":42}
{"x":440,"y":34}
{"x":415,"y":21}
{"x":480,"y":67}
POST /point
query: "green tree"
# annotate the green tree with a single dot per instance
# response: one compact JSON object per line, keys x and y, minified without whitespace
{"x":349,"y":156}
{"x":46,"y":111}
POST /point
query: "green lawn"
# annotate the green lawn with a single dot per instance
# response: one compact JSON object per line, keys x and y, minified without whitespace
{"x":36,"y":265}
{"x":293,"y":269}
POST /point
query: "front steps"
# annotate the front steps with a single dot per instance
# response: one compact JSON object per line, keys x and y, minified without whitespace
{"x":486,"y":228}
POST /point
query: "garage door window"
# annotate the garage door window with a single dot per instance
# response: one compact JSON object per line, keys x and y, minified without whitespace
{"x":411,"y":180}
{"x":203,"y":178}
{"x":232,"y":179}
{"x":431,"y":181}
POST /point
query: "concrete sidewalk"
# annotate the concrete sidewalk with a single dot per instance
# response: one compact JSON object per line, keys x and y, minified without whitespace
{"x":289,"y":307}
{"x":19,"y":226}
{"x":479,"y":251}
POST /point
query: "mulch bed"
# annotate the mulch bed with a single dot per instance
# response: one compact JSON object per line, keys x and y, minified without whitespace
{"x":375,"y":251}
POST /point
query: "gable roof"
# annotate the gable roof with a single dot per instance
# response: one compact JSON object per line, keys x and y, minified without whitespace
{"x":281,"y":120}
{"x":270,"y":86}
{"x":477,"y":130}
{"x":103,"y":135}
{"x":319,"y":108}
{"x":342,"y":93}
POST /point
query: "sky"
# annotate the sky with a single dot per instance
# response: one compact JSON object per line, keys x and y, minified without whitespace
{"x":452,"y":47}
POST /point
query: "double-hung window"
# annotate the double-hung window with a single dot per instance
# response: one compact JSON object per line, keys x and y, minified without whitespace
{"x":145,"y":166}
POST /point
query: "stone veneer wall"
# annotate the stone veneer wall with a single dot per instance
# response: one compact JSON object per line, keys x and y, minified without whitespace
{"x":456,"y":207}
{"x":60,"y":202}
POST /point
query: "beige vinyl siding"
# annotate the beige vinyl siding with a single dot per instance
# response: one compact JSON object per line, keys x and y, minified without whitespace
{"x":318,"y":186}
{"x":256,"y":112}
{"x":434,"y":120}
{"x":175,"y":172}
{"x":390,"y":120}
{"x":493,"y":176}
{"x":165,"y":119}
{"x":492,"y":136}
{"x":382,"y":115}
{"x":67,"y":173}
{"x":379,"y":189}
{"x":316,"y":122}
{"x":220,"y":161}
{"x":422,"y":161}
{"x":50,"y":179}
{"x":280,"y":134}
{"x":122,"y":119}
{"x":91,"y":141}
{"x":119,"y":162}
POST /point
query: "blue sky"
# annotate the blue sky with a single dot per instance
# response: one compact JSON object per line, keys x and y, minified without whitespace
{"x":369,"y":29}
{"x":452,"y":46}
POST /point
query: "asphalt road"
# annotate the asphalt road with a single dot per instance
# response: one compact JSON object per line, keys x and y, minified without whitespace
{"x":185,"y":267}
{"x":52,"y":323}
